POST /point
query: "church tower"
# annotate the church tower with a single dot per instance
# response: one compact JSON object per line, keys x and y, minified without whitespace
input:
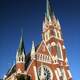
{"x":47,"y":60}
{"x":20,"y":57}
{"x":52,"y":34}
{"x":52,"y":37}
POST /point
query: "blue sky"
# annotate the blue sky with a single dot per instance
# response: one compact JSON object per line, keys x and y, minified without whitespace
{"x":29,"y":15}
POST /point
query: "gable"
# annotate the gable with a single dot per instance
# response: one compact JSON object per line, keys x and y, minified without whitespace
{"x":43,"y":54}
{"x":42,"y":49}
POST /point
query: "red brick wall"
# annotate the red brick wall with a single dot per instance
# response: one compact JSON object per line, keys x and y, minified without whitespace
{"x":20,"y":66}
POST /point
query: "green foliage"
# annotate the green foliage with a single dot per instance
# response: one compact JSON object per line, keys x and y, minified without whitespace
{"x":21,"y":77}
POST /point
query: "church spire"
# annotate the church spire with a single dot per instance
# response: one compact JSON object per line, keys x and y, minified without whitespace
{"x":20,"y":56}
{"x":21,"y":45}
{"x":49,"y":13}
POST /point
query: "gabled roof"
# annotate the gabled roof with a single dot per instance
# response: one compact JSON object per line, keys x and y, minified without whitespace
{"x":13,"y":68}
{"x":11,"y":71}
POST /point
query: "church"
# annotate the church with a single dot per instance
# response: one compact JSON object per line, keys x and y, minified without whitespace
{"x":47,"y":60}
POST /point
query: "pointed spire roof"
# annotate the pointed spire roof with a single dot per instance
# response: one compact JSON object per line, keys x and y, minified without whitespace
{"x":49,"y":12}
{"x":21,"y":46}
{"x":33,"y":51}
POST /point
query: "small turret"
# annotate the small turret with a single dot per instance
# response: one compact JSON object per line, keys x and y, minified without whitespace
{"x":20,"y":57}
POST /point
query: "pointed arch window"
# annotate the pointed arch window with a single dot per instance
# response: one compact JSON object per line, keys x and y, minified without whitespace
{"x":59,"y":34}
{"x":47,"y":35}
{"x":59,"y":51}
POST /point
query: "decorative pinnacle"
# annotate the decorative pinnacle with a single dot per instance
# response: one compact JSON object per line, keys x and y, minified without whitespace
{"x":33,"y":48}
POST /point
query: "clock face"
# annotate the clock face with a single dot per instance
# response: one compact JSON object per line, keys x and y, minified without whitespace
{"x":46,"y":74}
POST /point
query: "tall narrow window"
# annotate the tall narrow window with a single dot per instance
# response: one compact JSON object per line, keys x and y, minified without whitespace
{"x":19,"y":58}
{"x":59,"y":34}
{"x":22,"y":58}
{"x":59,"y":51}
{"x":47,"y":35}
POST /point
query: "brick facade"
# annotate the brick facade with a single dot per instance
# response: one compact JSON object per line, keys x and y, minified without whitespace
{"x":47,"y":61}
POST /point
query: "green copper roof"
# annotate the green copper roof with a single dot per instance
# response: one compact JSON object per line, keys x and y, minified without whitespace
{"x":21,"y":46}
{"x":49,"y":13}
